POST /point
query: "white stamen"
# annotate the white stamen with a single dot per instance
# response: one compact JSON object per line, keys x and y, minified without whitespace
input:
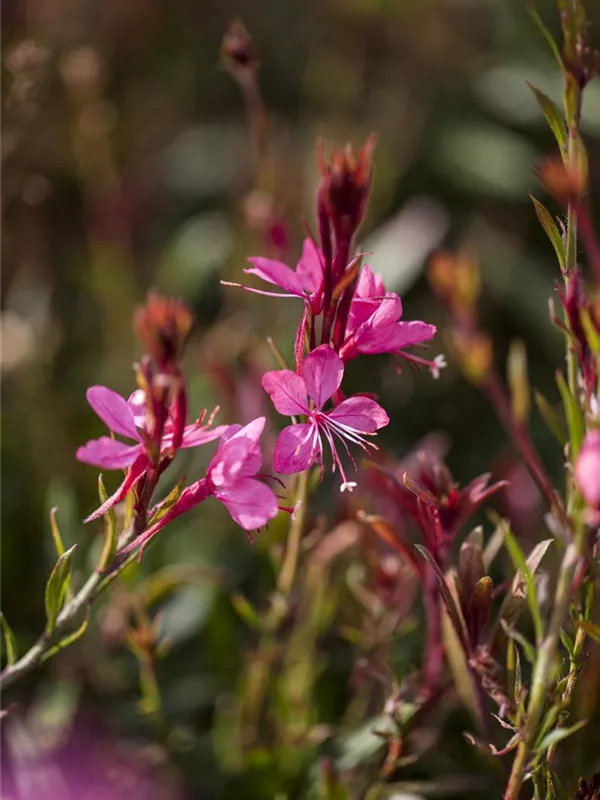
{"x":348,"y":485}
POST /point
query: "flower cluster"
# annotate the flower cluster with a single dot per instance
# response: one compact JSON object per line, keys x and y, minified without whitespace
{"x":347,"y":313}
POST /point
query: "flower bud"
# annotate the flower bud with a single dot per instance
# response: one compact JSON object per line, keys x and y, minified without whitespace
{"x":163,"y":326}
{"x":237,"y":50}
{"x":345,"y":185}
{"x":565,"y":182}
{"x":587,"y":469}
{"x":474,"y":354}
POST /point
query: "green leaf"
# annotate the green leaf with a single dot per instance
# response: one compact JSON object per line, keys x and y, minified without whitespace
{"x":520,"y":563}
{"x":168,"y":502}
{"x":573,"y":414}
{"x":593,"y":631}
{"x":558,"y":734}
{"x":59,"y":546}
{"x":549,"y":225}
{"x":56,"y":588}
{"x":452,"y":608}
{"x":551,"y":418}
{"x":591,"y":332}
{"x":516,"y":636}
{"x":551,"y":42}
{"x":68,"y":640}
{"x":10,"y":641}
{"x":554,"y":118}
{"x":246,"y":611}
{"x":110,"y":530}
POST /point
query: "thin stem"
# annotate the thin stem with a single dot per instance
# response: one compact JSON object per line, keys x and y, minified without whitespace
{"x":520,"y":436}
{"x":289,"y":565}
{"x":543,"y":672}
{"x":574,"y":665}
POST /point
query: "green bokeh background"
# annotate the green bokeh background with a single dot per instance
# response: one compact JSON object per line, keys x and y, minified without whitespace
{"x":128,"y":165}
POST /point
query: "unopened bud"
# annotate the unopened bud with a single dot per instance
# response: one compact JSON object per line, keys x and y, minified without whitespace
{"x":565,"y":182}
{"x":455,"y":279}
{"x":470,"y":569}
{"x":163,"y":326}
{"x":479,"y":607}
{"x":518,"y":381}
{"x":475,"y":355}
{"x":237,"y":50}
{"x":345,"y":186}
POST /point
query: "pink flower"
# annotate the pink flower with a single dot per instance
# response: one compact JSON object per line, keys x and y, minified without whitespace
{"x":128,"y":418}
{"x":374,"y":324}
{"x":305,"y":282}
{"x":587,"y":469}
{"x":300,"y":446}
{"x":231,"y":478}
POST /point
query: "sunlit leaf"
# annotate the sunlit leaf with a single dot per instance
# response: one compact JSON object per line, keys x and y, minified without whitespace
{"x":9,"y":640}
{"x":552,"y":232}
{"x":56,"y":588}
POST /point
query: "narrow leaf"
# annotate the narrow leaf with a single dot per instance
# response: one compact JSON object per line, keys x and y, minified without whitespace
{"x":593,"y":631}
{"x":110,"y":530}
{"x":558,"y":734}
{"x":591,"y":332}
{"x":551,"y":42}
{"x":246,"y":611}
{"x":9,"y":640}
{"x":515,"y":635}
{"x":56,"y":587}
{"x":552,"y":232}
{"x":68,"y":640}
{"x":551,"y":418}
{"x":59,"y":547}
{"x":520,"y":563}
{"x":573,"y":414}
{"x":452,"y":608}
{"x":554,"y":118}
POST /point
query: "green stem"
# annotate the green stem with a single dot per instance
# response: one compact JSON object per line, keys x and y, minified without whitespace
{"x":289,"y":565}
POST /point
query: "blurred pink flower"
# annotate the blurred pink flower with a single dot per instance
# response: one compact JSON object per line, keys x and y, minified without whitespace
{"x":128,"y":418}
{"x":587,"y":469}
{"x":300,"y":446}
{"x":374,"y":324}
{"x":306,"y":281}
{"x":231,"y":478}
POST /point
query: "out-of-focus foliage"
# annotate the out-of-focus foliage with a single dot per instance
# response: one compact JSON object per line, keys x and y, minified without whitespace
{"x":127,"y":164}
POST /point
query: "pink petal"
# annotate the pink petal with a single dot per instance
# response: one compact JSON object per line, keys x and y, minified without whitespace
{"x":369,"y":284}
{"x":310,"y":267}
{"x":239,"y":456}
{"x":195,"y":435}
{"x":323,"y":371}
{"x":275,"y":272}
{"x":396,"y":337}
{"x":251,"y":503}
{"x":361,"y":414}
{"x":135,"y":472}
{"x":108,"y":453}
{"x":113,"y":410}
{"x":287,"y":391}
{"x":297,"y":448}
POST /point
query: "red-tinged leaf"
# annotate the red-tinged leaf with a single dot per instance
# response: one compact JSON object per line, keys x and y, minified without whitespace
{"x":453,"y":610}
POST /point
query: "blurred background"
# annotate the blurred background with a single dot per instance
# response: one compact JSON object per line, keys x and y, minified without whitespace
{"x":128,"y":163}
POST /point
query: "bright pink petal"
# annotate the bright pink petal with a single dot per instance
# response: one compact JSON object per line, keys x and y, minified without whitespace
{"x":195,"y":435}
{"x":361,"y":414}
{"x":108,"y":453}
{"x":297,"y":448}
{"x":323,"y":371}
{"x":113,"y":410}
{"x":275,"y":272}
{"x":310,"y":267}
{"x":396,"y":337}
{"x":370,"y":284}
{"x":251,"y":503}
{"x":239,"y":456}
{"x":287,"y":391}
{"x":134,"y":473}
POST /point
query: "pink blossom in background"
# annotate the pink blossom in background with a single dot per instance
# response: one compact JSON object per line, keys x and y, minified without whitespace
{"x":587,"y":469}
{"x":306,"y":281}
{"x":231,"y":478}
{"x":128,"y":418}
{"x":300,"y":446}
